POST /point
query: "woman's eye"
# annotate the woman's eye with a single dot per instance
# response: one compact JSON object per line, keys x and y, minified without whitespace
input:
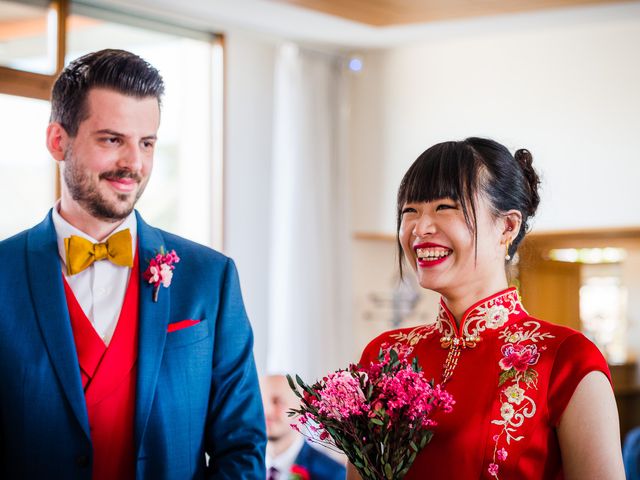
{"x":445,"y":206}
{"x":408,"y":210}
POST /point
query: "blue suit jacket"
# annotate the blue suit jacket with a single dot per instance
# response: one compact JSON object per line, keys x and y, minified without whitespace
{"x":319,"y":465}
{"x":197,"y":389}
{"x":631,"y":454}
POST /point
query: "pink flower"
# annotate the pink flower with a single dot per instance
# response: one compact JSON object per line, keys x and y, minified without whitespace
{"x":502,"y":454}
{"x":518,"y":356}
{"x":493,"y":469}
{"x":154,"y":274}
{"x":160,"y":270}
{"x":166,"y":273}
{"x":341,"y":396}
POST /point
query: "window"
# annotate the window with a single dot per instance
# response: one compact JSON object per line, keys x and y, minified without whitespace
{"x":28,"y":171}
{"x":25,"y":36}
{"x":184,"y":193}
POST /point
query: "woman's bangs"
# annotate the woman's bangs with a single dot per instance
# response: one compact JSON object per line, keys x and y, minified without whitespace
{"x":432,"y":179}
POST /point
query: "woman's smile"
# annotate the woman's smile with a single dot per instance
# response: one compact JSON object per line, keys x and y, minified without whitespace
{"x":430,"y":254}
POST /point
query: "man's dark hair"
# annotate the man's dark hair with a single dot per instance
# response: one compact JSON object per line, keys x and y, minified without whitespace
{"x":116,"y":70}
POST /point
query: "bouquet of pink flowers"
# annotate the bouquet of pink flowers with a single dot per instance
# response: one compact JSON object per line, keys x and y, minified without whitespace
{"x":379,"y":415}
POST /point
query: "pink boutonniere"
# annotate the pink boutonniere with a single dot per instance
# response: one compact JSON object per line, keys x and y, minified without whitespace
{"x":160,"y":270}
{"x":299,"y":473}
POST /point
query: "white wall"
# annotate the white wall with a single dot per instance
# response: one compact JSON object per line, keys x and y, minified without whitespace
{"x":248,"y":126}
{"x":565,"y":84}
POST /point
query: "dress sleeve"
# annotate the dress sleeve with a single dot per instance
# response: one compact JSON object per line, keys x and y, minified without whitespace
{"x":371,"y":351}
{"x":577,"y":356}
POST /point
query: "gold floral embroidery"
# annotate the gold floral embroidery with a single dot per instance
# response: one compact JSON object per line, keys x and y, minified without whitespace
{"x":520,"y":353}
{"x":492,"y":314}
{"x":414,"y":336}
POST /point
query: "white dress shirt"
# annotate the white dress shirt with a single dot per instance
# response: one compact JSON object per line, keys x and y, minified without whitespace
{"x":286,"y":459}
{"x":99,"y":289}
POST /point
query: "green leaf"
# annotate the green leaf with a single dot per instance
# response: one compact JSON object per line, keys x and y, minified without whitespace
{"x":413,"y":446}
{"x":504,"y":376}
{"x":414,"y":365}
{"x":426,"y":436}
{"x":376,"y":421}
{"x":292,"y":386}
{"x":388,"y":471}
{"x":393,"y":356}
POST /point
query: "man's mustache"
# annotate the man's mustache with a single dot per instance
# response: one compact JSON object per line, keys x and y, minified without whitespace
{"x":117,"y":174}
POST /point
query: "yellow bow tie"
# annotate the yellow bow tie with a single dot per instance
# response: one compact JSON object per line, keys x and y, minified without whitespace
{"x":81,"y":253}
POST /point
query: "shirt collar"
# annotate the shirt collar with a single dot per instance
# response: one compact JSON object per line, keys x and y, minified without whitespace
{"x":286,"y":459}
{"x":488,"y":314}
{"x":64,"y":230}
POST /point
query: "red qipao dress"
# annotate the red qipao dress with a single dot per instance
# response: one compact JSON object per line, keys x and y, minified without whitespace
{"x":511,"y":376}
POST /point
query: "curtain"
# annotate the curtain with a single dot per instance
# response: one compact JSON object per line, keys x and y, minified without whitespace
{"x":309,"y":266}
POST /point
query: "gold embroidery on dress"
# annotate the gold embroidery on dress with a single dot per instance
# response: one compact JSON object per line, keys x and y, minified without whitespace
{"x":412,"y":338}
{"x":492,"y":314}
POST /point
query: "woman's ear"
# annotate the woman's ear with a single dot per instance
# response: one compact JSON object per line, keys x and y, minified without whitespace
{"x":57,"y":140}
{"x":512,"y":223}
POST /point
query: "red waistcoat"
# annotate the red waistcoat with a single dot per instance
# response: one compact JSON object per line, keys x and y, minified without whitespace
{"x":109,"y":382}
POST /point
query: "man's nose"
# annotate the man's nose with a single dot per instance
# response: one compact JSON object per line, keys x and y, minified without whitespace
{"x":131,"y":157}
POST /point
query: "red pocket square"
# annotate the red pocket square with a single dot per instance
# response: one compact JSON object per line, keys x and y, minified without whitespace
{"x":172,"y":327}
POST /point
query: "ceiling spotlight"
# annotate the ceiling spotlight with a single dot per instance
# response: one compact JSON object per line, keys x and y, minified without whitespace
{"x":355,"y":64}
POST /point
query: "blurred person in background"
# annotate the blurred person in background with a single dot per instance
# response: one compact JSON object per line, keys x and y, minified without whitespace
{"x":287,"y":451}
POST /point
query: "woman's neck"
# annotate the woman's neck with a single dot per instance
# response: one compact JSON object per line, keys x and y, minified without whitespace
{"x":458,"y":301}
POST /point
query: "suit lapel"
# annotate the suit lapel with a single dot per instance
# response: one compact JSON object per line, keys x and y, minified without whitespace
{"x":153,"y":321}
{"x":45,"y":280}
{"x":304,"y":457}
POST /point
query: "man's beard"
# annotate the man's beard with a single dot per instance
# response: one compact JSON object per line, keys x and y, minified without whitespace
{"x":87,"y":195}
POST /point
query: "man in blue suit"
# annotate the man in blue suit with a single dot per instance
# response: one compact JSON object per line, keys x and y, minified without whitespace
{"x":287,"y":452}
{"x":125,"y":351}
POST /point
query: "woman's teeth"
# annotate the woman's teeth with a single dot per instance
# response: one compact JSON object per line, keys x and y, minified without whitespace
{"x":432,"y":253}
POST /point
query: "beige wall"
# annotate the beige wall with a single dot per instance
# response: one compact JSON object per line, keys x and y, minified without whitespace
{"x":562,"y":83}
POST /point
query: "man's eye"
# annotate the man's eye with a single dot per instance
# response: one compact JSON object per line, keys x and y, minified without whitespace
{"x":148,"y":144}
{"x":111,"y":140}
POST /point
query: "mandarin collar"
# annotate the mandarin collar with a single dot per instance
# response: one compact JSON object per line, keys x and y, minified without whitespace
{"x":484,"y":316}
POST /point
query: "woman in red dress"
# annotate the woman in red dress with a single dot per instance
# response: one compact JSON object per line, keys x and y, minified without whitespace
{"x":533,"y":399}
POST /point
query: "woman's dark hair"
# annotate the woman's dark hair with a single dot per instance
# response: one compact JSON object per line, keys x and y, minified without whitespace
{"x":462,"y":171}
{"x":116,"y":70}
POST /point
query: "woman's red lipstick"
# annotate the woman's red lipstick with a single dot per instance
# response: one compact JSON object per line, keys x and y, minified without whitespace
{"x":423,"y":262}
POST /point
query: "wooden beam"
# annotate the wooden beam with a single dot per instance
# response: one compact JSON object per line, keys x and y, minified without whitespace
{"x":25,"y":84}
{"x":382,"y":13}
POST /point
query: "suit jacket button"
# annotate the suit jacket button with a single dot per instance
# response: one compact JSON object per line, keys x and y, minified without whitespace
{"x":82,"y":461}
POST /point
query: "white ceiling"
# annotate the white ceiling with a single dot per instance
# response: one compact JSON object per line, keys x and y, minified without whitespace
{"x":280,"y":20}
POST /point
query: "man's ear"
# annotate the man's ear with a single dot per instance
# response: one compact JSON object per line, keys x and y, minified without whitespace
{"x":57,"y":141}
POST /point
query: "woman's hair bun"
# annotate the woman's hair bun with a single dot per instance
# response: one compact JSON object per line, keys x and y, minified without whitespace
{"x":525,"y":160}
